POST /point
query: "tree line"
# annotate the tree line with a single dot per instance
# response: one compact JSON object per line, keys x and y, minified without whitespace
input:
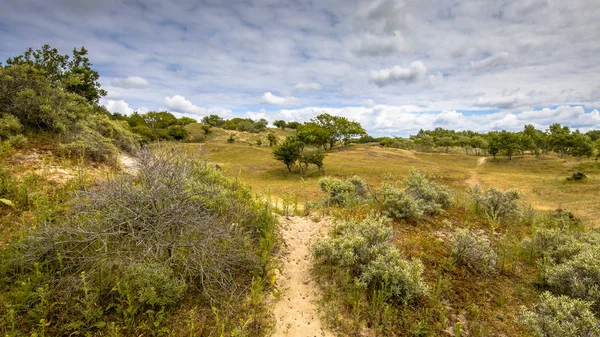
{"x":556,"y":138}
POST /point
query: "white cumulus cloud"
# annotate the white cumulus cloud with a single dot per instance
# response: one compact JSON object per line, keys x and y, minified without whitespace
{"x":269,"y":98}
{"x":122,"y":107}
{"x":130,"y":82}
{"x":396,"y":74}
{"x":181,"y":105}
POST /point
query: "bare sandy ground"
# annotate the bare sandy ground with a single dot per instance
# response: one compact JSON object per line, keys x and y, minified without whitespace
{"x":296,"y":311}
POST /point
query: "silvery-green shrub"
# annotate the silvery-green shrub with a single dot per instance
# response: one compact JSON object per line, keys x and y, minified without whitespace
{"x":432,"y":197}
{"x":473,"y":251}
{"x":560,"y":316}
{"x":400,"y":279}
{"x":578,"y":277}
{"x":396,"y":203}
{"x":496,"y":205}
{"x":343,"y":193}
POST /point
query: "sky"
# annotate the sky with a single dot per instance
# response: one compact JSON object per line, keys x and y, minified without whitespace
{"x":395,"y":66}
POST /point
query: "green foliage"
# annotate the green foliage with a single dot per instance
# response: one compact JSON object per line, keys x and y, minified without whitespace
{"x":475,"y":252}
{"x":498,"y":206}
{"x":344,"y":193}
{"x":289,"y":151}
{"x":337,"y":128}
{"x":157,"y":125}
{"x":557,"y":316}
{"x":280,"y":124}
{"x":139,"y":242}
{"x":151,"y":285}
{"x":311,"y":156}
{"x":398,"y":204}
{"x":431,"y":197}
{"x":272,"y":139}
{"x":362,"y":248}
{"x":75,"y":75}
{"x":578,"y":277}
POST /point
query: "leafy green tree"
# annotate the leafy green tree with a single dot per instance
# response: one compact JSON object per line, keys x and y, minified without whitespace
{"x":212,"y":120}
{"x":597,"y":147}
{"x":559,"y":138}
{"x":509,"y":143}
{"x":280,"y":124}
{"x":494,"y":143}
{"x":425,"y":142}
{"x":338,"y":128}
{"x":593,"y":134}
{"x":294,"y":125}
{"x":186,"y":120}
{"x":75,"y":75}
{"x":465,"y":143}
{"x":289,"y":151}
{"x":311,"y":156}
{"x":581,"y":145}
{"x":313,"y":134}
{"x":445,"y":142}
{"x":272,"y":139}
{"x":480,"y":143}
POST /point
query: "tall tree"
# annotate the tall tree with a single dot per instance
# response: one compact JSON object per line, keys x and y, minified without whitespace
{"x":559,"y":137}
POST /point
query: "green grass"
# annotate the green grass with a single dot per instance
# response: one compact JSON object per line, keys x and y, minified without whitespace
{"x":541,"y":179}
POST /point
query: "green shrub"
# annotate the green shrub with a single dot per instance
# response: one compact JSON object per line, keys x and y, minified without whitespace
{"x":343,"y":193}
{"x":578,"y":277}
{"x":432,"y":198}
{"x":398,"y":204}
{"x":473,"y":251}
{"x":9,"y":126}
{"x":363,"y":248}
{"x":400,"y":280}
{"x":498,"y":206}
{"x":560,"y":316}
{"x":151,"y":285}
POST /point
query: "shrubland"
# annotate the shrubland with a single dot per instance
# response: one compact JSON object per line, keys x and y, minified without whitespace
{"x":136,"y":254}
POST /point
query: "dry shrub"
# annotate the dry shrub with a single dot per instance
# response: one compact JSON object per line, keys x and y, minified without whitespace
{"x":473,"y":251}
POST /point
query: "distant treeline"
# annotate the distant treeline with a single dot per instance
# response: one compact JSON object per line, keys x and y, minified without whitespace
{"x":239,"y":124}
{"x":557,"y":138}
{"x":157,"y":125}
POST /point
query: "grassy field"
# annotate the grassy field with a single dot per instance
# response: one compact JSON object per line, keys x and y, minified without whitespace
{"x":541,"y":179}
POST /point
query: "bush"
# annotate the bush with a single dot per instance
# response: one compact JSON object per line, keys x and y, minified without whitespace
{"x":141,"y":240}
{"x":400,"y":280}
{"x":578,"y":277}
{"x":432,"y":198}
{"x":496,"y":205}
{"x":9,"y":126}
{"x":471,"y":250}
{"x":398,"y":204}
{"x":577,"y":177}
{"x":363,"y":249}
{"x":343,"y":193}
{"x":151,"y":285}
{"x":560,"y":316}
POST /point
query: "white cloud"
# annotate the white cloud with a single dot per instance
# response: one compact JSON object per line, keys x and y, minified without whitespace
{"x":437,"y":79}
{"x":495,"y":61}
{"x":308,"y":86}
{"x":368,"y":103}
{"x":130,"y":82}
{"x":396,"y":74}
{"x":269,"y":98}
{"x":509,"y":101}
{"x":122,"y":107}
{"x":181,"y":105}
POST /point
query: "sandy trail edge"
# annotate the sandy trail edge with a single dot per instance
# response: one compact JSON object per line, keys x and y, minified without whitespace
{"x":472,"y":181}
{"x":296,"y":311}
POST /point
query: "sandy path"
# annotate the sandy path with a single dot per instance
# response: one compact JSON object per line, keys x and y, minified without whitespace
{"x":472,"y":181}
{"x":296,"y":311}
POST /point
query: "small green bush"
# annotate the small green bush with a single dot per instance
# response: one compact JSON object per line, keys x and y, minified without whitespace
{"x":9,"y":126}
{"x":363,"y":248}
{"x":432,"y":198}
{"x":398,"y":205}
{"x":498,"y":206}
{"x":400,"y":280}
{"x":560,"y":316}
{"x":344,"y":193}
{"x":578,"y":277}
{"x":353,"y":244}
{"x":151,"y":285}
{"x":473,"y":251}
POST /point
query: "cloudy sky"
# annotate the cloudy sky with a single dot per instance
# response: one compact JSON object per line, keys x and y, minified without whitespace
{"x":395,"y":66}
